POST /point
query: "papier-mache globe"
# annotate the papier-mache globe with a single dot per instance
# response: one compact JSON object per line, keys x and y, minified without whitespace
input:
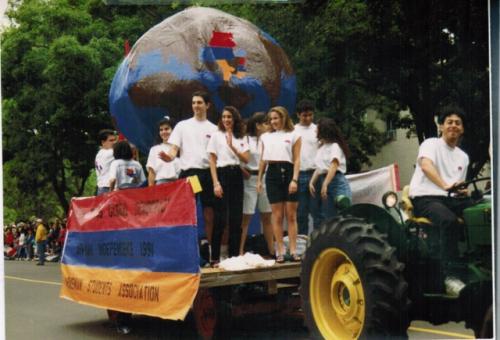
{"x":198,"y":49}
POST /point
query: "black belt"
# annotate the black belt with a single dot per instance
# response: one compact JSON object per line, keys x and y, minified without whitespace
{"x":309,"y":172}
{"x":227,"y":167}
{"x":252,"y":172}
{"x":428,"y":197}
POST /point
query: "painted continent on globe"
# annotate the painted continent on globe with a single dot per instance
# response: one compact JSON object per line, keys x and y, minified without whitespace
{"x":198,"y":49}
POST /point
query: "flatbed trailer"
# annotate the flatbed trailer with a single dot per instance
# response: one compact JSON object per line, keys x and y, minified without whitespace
{"x":216,"y":277}
{"x":226,"y":294}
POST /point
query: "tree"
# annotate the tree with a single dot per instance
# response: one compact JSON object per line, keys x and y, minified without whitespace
{"x":427,"y":54}
{"x":58,"y":60}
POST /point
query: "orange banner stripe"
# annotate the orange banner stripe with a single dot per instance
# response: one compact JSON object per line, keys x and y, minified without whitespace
{"x":164,"y":295}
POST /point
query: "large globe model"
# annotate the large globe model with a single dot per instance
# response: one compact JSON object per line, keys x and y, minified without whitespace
{"x":198,"y":49}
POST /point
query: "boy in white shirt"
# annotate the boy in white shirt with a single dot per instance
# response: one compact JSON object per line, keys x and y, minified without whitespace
{"x":103,"y":159}
{"x":306,"y":129}
{"x":441,"y":164}
{"x":190,"y":137}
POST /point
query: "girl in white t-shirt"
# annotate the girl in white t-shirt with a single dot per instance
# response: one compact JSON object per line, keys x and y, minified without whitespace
{"x":281,"y":155}
{"x":160,"y":171}
{"x":256,"y":126}
{"x":328,"y":180}
{"x":226,"y":150}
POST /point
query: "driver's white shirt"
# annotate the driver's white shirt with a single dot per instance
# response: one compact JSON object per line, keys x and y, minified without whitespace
{"x":451,"y":164}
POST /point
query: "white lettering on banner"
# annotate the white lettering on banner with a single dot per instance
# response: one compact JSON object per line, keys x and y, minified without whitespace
{"x":370,"y":186}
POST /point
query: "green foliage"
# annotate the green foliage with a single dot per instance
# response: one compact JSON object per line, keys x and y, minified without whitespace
{"x":58,"y":61}
{"x":21,"y":203}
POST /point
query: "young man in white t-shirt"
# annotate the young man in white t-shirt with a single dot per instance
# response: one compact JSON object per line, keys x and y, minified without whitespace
{"x":104,"y":158}
{"x":306,"y":129}
{"x":441,"y":164}
{"x":190,"y":137}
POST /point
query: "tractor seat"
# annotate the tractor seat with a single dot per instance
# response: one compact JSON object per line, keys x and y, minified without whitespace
{"x":407,"y":207}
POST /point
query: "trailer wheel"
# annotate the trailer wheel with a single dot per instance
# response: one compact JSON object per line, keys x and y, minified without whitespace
{"x":205,"y":313}
{"x":212,"y":316}
{"x":352,"y":284}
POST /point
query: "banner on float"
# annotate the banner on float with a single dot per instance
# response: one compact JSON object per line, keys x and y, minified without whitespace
{"x":370,"y":186}
{"x":134,"y":251}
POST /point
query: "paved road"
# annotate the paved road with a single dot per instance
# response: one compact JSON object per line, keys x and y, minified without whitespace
{"x":35,"y":311}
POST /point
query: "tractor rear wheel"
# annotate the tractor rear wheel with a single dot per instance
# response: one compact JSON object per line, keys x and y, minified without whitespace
{"x":352,"y":284}
{"x":485,"y":330}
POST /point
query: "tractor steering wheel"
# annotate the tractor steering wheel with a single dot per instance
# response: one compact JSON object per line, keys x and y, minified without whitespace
{"x":476,"y":194}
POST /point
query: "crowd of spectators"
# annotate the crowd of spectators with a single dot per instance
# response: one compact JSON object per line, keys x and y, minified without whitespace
{"x":20,"y":241}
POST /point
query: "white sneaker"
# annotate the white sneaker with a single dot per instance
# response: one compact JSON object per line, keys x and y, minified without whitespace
{"x":453,"y":285}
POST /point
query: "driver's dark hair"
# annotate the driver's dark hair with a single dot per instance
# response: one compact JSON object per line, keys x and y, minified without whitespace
{"x":451,"y":110}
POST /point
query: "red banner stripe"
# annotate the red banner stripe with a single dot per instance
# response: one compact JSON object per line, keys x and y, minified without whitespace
{"x":135,"y":208}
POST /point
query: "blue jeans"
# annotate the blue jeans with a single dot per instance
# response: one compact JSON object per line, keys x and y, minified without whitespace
{"x":337,"y":187}
{"x":308,"y":205}
{"x":40,"y":248}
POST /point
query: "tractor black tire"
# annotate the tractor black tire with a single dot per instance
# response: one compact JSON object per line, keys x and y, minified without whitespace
{"x":348,"y":260}
{"x":478,"y":311}
{"x":484,"y":327}
{"x":486,"y":331}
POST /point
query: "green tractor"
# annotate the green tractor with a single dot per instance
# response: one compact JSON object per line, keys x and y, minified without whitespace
{"x":369,"y":272}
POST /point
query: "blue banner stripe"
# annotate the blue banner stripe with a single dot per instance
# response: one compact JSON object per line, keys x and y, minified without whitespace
{"x":163,"y":249}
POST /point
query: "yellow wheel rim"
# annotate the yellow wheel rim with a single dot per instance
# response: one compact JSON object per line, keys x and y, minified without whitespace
{"x":336,"y":295}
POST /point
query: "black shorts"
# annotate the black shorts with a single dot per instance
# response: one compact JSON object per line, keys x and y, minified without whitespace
{"x":278,"y":178}
{"x":207,"y":193}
